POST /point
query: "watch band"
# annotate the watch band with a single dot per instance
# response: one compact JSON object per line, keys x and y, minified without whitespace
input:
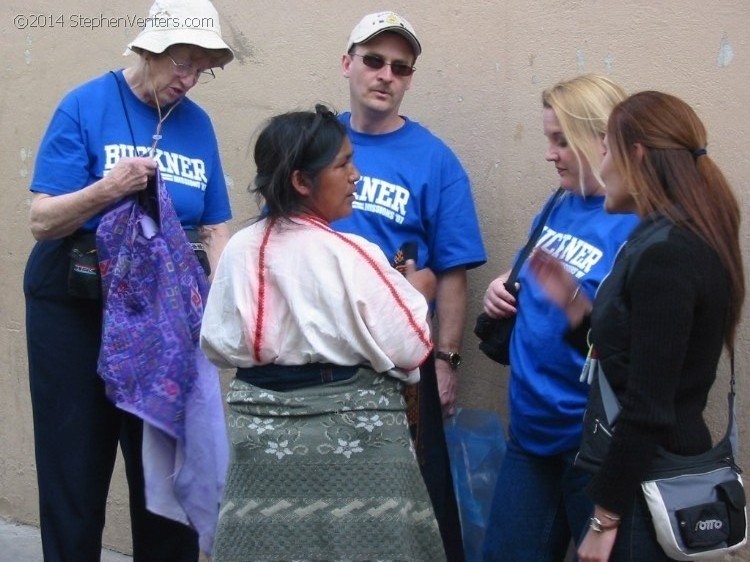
{"x":451,"y":357}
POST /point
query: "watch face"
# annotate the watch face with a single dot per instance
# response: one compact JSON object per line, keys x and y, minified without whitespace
{"x":453,"y":359}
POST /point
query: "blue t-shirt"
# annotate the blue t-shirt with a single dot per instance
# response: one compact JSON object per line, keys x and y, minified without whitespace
{"x":546,"y":398}
{"x":89,"y":133}
{"x":413,"y":189}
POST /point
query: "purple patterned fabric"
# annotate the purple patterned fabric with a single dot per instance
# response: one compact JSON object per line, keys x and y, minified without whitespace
{"x":186,"y":484}
{"x":154,"y":290}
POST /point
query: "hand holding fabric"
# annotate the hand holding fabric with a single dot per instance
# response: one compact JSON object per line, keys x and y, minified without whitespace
{"x":130,"y":175}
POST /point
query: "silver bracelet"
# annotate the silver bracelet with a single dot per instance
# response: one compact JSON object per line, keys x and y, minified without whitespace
{"x":575,"y":295}
{"x":598,"y":526}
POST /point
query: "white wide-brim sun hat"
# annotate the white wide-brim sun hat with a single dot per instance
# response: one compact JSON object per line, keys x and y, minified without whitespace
{"x":189,"y":22}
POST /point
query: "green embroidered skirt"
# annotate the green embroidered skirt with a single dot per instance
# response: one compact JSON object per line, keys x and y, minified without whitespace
{"x":324,"y":473}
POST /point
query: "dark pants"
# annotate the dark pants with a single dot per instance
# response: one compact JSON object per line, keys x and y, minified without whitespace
{"x":77,"y":429}
{"x":432,"y":453}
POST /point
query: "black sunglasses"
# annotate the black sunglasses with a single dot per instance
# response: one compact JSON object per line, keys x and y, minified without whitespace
{"x":377,"y":62}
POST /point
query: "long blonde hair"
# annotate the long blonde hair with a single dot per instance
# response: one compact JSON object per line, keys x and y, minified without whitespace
{"x":582,"y":106}
{"x":677,"y":178}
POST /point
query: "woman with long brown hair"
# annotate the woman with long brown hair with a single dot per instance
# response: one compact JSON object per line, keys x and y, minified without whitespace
{"x":661,"y":318}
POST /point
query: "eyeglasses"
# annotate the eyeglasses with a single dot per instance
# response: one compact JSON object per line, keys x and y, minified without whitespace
{"x":376,"y":62}
{"x":183,"y":70}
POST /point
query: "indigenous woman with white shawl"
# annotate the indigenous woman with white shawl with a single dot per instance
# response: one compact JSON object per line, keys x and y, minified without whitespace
{"x":323,"y":333}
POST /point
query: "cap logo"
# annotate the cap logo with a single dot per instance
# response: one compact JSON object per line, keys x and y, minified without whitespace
{"x":373,"y":24}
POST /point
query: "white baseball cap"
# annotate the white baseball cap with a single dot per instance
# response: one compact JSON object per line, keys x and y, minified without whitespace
{"x":190,"y":22}
{"x":374,"y":24}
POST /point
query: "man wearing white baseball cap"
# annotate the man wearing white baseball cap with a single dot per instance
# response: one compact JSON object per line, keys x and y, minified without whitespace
{"x":102,"y":147}
{"x":414,"y":200}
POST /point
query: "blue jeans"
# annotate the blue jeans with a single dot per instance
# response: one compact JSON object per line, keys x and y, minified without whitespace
{"x":538,"y":505}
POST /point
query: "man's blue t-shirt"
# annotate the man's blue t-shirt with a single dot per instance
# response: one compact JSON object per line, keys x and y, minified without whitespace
{"x":413,"y":189}
{"x":89,"y":133}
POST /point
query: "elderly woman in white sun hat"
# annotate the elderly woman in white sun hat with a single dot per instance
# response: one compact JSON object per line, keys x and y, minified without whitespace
{"x":105,"y":140}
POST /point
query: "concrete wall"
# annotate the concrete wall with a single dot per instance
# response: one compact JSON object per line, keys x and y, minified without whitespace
{"x":478,"y":86}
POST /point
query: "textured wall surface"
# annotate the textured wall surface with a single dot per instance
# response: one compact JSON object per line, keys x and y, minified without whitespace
{"x":478,"y":86}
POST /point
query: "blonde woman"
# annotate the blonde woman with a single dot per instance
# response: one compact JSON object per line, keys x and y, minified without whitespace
{"x":539,"y":502}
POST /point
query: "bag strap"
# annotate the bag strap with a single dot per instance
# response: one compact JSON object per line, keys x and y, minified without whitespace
{"x":732,"y":430}
{"x":609,"y":399}
{"x":612,"y":405}
{"x":124,"y":106}
{"x":533,"y":238}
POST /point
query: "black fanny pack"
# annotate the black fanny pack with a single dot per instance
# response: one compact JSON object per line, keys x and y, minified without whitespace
{"x":84,"y":278}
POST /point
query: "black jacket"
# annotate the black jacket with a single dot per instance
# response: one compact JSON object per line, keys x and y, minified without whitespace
{"x":657,"y":325}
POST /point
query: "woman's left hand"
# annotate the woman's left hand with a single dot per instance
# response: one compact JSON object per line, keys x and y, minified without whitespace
{"x":597,"y":547}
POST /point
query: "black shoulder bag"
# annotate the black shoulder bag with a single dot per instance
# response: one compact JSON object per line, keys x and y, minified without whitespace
{"x":697,"y":503}
{"x":494,"y":333}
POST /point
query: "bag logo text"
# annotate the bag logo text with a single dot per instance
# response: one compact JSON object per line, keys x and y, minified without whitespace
{"x":708,"y":525}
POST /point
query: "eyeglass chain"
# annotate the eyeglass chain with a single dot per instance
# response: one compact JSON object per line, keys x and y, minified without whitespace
{"x":157,"y":134}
